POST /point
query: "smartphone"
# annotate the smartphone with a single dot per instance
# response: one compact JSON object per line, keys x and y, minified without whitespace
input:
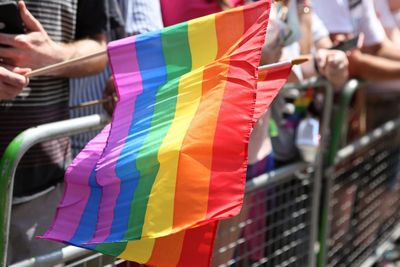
{"x":351,"y":44}
{"x":10,"y":20}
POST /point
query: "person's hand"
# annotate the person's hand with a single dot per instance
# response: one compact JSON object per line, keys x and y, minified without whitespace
{"x":333,"y":64}
{"x":12,"y":81}
{"x":110,"y":96}
{"x":35,"y":49}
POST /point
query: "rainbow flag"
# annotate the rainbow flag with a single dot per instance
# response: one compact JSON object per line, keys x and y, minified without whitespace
{"x":153,"y":184}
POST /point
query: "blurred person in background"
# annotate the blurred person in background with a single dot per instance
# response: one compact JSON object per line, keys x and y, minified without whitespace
{"x":176,"y":11}
{"x":140,"y":16}
{"x":127,"y":17}
{"x":377,"y":61}
{"x":55,"y":31}
{"x":300,"y":32}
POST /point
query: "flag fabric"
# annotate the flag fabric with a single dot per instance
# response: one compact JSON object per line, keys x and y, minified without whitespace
{"x":152,"y":185}
{"x":270,"y":80}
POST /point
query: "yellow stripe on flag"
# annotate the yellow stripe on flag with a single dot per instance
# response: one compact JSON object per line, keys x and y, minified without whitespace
{"x":203,"y":50}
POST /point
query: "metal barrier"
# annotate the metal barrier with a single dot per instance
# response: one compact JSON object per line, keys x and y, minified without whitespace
{"x":284,"y":230}
{"x":364,"y":198}
{"x":286,"y":224}
{"x":18,"y":148}
{"x":274,"y":227}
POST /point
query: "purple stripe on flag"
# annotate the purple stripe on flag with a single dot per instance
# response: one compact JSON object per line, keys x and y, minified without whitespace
{"x":77,"y":189}
{"x":127,"y":73}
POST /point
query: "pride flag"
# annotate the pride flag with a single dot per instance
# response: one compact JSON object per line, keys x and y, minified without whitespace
{"x":152,"y":185}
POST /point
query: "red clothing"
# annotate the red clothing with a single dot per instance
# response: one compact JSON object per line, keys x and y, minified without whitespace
{"x":176,"y":11}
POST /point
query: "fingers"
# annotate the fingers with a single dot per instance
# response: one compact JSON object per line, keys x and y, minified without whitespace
{"x":21,"y":71}
{"x":14,"y":40}
{"x":8,"y":92}
{"x":320,"y":57}
{"x":337,"y":60}
{"x":8,"y":55}
{"x":11,"y":83}
{"x":31,"y":23}
{"x":110,"y":94}
{"x":7,"y":39}
{"x":8,"y":76}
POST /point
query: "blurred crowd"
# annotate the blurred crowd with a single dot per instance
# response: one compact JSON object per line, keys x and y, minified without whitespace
{"x":343,"y":39}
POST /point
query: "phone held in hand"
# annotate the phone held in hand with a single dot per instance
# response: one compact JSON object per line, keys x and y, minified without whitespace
{"x":348,"y":45}
{"x":10,"y":20}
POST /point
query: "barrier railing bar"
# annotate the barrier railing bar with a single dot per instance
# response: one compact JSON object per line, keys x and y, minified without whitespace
{"x":276,"y":175}
{"x":64,"y":255}
{"x":385,"y":129}
{"x":17,"y":148}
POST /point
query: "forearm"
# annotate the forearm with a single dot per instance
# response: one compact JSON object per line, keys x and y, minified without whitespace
{"x":394,"y":35}
{"x":387,"y":49}
{"x":373,"y":68}
{"x":81,"y":48}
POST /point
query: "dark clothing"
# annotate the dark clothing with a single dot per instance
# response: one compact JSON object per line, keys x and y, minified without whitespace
{"x":46,"y":98}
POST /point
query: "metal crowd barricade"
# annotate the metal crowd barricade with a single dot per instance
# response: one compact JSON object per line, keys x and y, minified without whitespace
{"x":18,"y":148}
{"x":286,"y":223}
{"x":289,"y":204}
{"x":286,"y":227}
{"x":364,"y":198}
{"x":279,"y":234}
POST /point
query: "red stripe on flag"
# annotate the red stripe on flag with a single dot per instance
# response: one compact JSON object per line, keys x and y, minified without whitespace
{"x":229,"y":162}
{"x":198,"y":246}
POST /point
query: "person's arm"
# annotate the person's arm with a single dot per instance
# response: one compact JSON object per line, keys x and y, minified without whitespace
{"x":372,"y":68}
{"x":36,"y":49}
{"x":386,"y":49}
{"x":305,"y":24}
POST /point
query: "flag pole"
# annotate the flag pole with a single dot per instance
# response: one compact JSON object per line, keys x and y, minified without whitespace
{"x":297,"y":61}
{"x":71,"y":62}
{"x":64,"y":64}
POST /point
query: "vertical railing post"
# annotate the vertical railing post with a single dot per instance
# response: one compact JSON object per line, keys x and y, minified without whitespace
{"x":339,"y":128}
{"x":319,"y":169}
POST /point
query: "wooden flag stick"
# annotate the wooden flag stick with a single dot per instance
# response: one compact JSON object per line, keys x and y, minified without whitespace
{"x":91,"y":103}
{"x":65,"y":64}
{"x":95,"y":102}
{"x":296,"y":61}
{"x":71,"y":62}
{"x":301,"y":59}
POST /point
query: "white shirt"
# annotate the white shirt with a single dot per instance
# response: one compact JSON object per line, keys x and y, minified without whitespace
{"x":338,"y":18}
{"x":318,"y":28}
